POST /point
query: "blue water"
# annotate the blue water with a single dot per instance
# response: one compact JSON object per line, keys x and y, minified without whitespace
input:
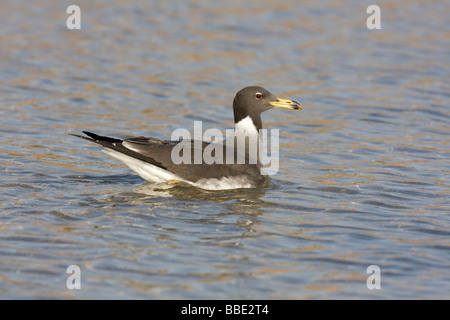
{"x":364,"y":169}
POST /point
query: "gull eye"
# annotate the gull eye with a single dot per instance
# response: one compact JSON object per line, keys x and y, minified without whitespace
{"x":258,"y":95}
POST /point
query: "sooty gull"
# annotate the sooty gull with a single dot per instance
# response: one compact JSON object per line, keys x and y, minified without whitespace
{"x":232,"y":166}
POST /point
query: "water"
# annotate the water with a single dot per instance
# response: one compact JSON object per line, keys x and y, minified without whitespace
{"x":363,"y":179}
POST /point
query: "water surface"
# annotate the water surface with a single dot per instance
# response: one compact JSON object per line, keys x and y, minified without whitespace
{"x":364,"y":168}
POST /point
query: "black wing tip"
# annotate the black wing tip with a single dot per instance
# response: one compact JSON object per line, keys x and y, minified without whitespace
{"x":95,"y":137}
{"x":116,"y":144}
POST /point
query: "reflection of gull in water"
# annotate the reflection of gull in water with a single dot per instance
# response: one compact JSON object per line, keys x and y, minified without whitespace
{"x":231,"y":202}
{"x":185,"y":191}
{"x":154,"y":190}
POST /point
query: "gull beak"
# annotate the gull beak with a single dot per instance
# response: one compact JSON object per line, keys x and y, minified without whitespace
{"x":285,"y":103}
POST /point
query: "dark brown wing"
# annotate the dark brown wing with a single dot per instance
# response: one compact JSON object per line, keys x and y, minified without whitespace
{"x":159,"y":153}
{"x":164,"y":153}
